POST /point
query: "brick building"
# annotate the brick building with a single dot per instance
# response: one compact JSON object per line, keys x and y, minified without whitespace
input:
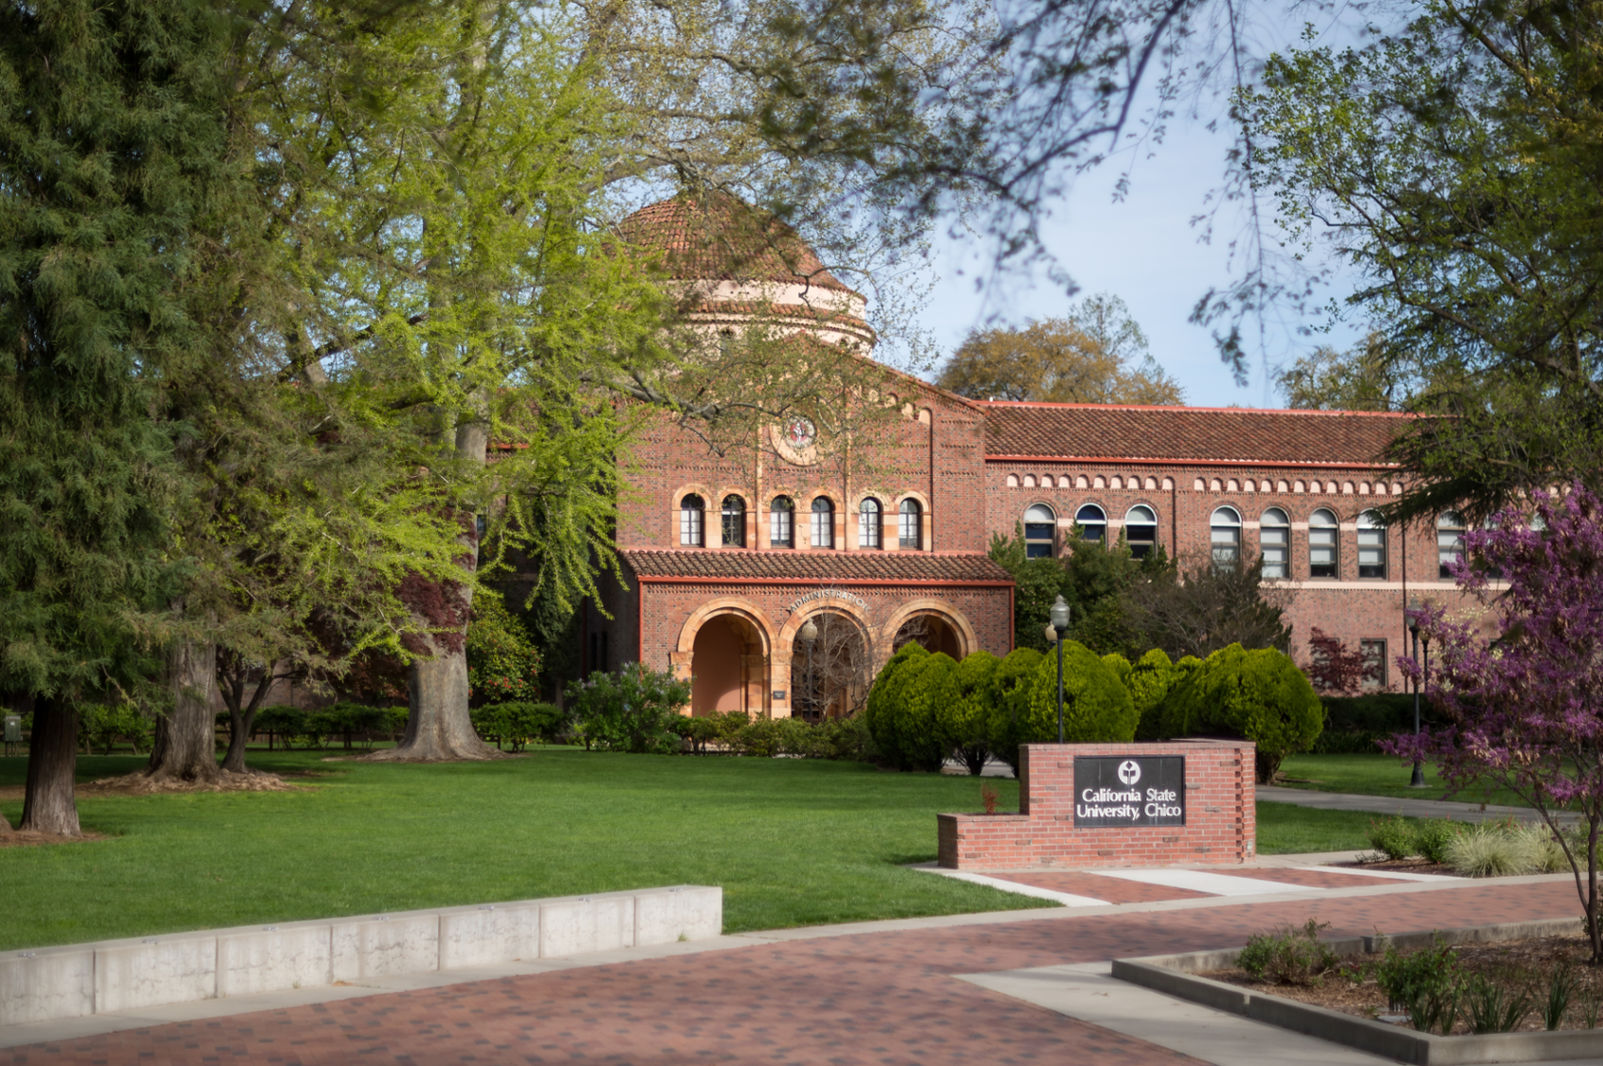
{"x":729,"y":553}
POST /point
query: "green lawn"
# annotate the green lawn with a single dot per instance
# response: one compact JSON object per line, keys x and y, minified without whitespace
{"x":1378,"y":775}
{"x":792,"y":842}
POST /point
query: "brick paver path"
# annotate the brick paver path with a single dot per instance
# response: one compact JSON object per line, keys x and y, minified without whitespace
{"x":873,"y":998}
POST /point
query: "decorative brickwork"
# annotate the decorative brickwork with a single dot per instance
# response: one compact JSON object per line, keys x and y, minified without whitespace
{"x":1220,"y":815}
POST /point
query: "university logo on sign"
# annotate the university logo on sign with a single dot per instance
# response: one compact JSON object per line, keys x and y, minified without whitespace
{"x":1119,"y":791}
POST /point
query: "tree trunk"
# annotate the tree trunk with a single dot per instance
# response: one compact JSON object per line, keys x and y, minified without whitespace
{"x":186,"y":746}
{"x":438,"y":727}
{"x":49,"y":805}
{"x":242,"y":715}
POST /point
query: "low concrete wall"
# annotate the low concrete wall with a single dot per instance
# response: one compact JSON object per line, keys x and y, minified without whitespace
{"x":118,"y":975}
{"x":1220,"y":814}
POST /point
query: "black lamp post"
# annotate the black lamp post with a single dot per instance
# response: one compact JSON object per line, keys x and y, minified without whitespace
{"x":1421,"y":650}
{"x":1060,"y":626}
{"x":808,"y":635}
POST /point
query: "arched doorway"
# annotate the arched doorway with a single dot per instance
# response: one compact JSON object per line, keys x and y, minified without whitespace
{"x":727,"y":667}
{"x":830,"y":675}
{"x":933,"y":632}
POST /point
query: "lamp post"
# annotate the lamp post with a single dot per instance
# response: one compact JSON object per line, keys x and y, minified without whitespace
{"x":1421,"y":649}
{"x":1060,"y":626}
{"x":808,"y":635}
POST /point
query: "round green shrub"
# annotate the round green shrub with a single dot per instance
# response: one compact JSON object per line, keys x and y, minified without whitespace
{"x":886,"y":695}
{"x":1010,"y":687}
{"x":1257,"y":695}
{"x":1148,"y":682}
{"x":1096,"y":707}
{"x":962,"y":722}
{"x":931,"y":682}
{"x":1118,"y":664}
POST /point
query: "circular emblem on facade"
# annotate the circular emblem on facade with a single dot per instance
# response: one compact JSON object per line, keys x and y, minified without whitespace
{"x":796,"y":440}
{"x":1129,"y":772}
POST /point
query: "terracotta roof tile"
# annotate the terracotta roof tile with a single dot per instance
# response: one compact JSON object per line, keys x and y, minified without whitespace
{"x":1085,"y":431}
{"x":808,"y":567}
{"x":717,"y":237}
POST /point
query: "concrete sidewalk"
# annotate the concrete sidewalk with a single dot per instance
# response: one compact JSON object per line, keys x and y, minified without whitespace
{"x":1408,"y":807}
{"x":1008,"y":987}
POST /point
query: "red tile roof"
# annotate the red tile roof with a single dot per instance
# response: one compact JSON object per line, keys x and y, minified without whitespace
{"x":810,"y":567}
{"x":1103,"y":431}
{"x":718,"y":237}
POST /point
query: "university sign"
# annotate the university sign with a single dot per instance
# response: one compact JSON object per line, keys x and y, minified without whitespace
{"x":1119,"y":791}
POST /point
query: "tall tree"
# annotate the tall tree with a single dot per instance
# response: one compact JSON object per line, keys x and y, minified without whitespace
{"x":111,"y":150}
{"x":1455,"y":164}
{"x":1365,"y":378}
{"x":1095,"y":354}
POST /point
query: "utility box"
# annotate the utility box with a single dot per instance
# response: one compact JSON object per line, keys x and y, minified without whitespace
{"x":13,"y":732}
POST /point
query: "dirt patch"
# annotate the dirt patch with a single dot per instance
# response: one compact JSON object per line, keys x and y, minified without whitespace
{"x":18,"y":839}
{"x":1522,"y":966}
{"x":138,"y":784}
{"x":1402,"y":866}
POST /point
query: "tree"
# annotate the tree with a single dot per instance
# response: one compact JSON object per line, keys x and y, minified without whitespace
{"x":1335,"y":669}
{"x":1258,"y":695}
{"x":962,"y":721}
{"x":1454,"y":164}
{"x":1363,"y":379}
{"x":1200,"y":608}
{"x":1096,"y":354}
{"x":1522,"y":709}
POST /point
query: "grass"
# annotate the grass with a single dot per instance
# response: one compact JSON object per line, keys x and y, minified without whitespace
{"x":792,"y":842}
{"x":1380,"y":775}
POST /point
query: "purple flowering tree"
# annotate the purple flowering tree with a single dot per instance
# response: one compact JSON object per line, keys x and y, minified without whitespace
{"x":1524,"y":708}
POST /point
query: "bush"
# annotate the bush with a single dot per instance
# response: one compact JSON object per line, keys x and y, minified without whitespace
{"x":1148,"y":683}
{"x":348,"y":721}
{"x":1096,"y":706}
{"x":516,"y":722}
{"x":630,"y":710}
{"x":931,"y":682}
{"x":886,"y":695}
{"x":103,"y":726}
{"x":962,"y":721}
{"x":1425,"y":983}
{"x":847,"y":739}
{"x":1496,"y":849}
{"x":503,"y":663}
{"x":698,"y":731}
{"x":285,"y":724}
{"x":1433,"y":836}
{"x":1393,"y":837}
{"x":1009,"y":703}
{"x":1354,"y":725}
{"x":1258,"y":695}
{"x":1288,"y":956}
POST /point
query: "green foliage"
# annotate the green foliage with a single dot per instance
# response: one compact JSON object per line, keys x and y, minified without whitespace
{"x":887,"y":695}
{"x":516,"y":722}
{"x":698,"y":731}
{"x":503,"y":663}
{"x":1119,"y":665}
{"x":104,"y":726}
{"x":1355,"y":724}
{"x":1037,"y":583}
{"x":1148,"y":683}
{"x":1560,"y":990}
{"x":1504,"y":848}
{"x":1493,"y":1006}
{"x":1096,"y":707}
{"x":630,"y":710}
{"x":1010,"y":700}
{"x":1433,"y":836}
{"x":1288,"y":956}
{"x":348,"y":721}
{"x":1426,"y":983}
{"x":1393,"y":837}
{"x":931,"y":682}
{"x":1256,"y":695}
{"x":963,"y":721}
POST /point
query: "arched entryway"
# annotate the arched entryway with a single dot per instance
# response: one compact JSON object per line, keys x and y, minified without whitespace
{"x":830,"y":675}
{"x":934,"y":631}
{"x":728,"y":669}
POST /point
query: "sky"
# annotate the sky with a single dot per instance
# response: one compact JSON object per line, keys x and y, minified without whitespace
{"x":1143,"y":249}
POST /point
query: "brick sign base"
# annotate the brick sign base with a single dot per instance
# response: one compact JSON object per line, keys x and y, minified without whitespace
{"x":1220,"y":814}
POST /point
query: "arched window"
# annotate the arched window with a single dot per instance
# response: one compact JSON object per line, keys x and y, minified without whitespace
{"x":910,"y":526}
{"x":868,"y":524}
{"x":1371,"y":546}
{"x":1322,"y":533}
{"x":734,"y":521}
{"x":1141,"y":530}
{"x":823,"y":523}
{"x":1274,"y":541}
{"x":1040,"y":532}
{"x":692,"y":514}
{"x":1449,"y":541}
{"x":1092,"y":522}
{"x":1224,"y":536}
{"x":782,"y":523}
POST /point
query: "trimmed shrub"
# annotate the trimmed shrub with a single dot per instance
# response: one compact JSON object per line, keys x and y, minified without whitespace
{"x":1009,"y":700}
{"x":630,"y":710}
{"x":1257,"y":695}
{"x":285,"y":724}
{"x":348,"y":721}
{"x":1096,"y":707}
{"x":1432,"y":837}
{"x":847,"y":739}
{"x":516,"y":722}
{"x":1393,"y":837}
{"x":1148,"y":683}
{"x":962,"y":722}
{"x":886,"y":695}
{"x":698,"y":731}
{"x":503,"y":663}
{"x":931,"y":682}
{"x":1119,"y":665}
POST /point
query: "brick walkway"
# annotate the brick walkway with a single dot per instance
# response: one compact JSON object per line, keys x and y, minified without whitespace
{"x":863,"y":998}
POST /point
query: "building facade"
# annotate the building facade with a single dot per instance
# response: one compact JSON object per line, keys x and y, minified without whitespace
{"x":780,"y":572}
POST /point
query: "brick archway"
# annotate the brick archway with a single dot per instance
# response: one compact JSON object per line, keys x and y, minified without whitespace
{"x":957,"y":640}
{"x":725,"y":651}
